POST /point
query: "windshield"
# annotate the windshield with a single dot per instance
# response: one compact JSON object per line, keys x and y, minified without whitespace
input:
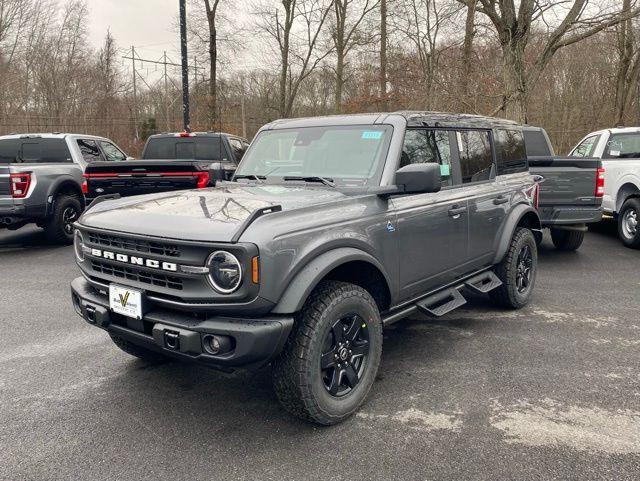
{"x":350,"y":155}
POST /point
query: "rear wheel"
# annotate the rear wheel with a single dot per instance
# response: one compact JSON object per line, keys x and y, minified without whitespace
{"x":567,"y":240}
{"x":517,"y":271}
{"x":628,"y":228}
{"x":332,"y":356}
{"x":59,"y":228}
{"x":137,"y":351}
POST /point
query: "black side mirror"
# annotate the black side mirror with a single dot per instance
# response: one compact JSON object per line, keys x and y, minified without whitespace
{"x":216,"y":172}
{"x":419,"y":178}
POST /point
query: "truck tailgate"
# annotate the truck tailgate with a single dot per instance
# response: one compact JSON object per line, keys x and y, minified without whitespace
{"x":143,"y":177}
{"x":568,"y":193}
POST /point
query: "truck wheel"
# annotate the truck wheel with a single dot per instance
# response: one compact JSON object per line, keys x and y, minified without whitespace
{"x":567,"y":240}
{"x":332,"y":356}
{"x":517,"y":271}
{"x":628,"y":218}
{"x":137,"y":351}
{"x":59,"y":228}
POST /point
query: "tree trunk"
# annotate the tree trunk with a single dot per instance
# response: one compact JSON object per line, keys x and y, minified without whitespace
{"x":467,"y":49}
{"x":339,"y":81}
{"x":289,"y":6}
{"x":514,"y":106}
{"x":625,"y":52}
{"x":383,"y":55}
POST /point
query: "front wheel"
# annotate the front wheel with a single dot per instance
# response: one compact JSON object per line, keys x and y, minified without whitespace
{"x":628,"y":228}
{"x":331,"y":358}
{"x":567,"y":240}
{"x":517,"y":271}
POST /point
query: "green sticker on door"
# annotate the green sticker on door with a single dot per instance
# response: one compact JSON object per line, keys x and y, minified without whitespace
{"x":445,"y":170}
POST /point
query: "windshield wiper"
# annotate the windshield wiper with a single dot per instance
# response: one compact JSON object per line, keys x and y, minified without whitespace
{"x":257,"y":178}
{"x":313,"y":178}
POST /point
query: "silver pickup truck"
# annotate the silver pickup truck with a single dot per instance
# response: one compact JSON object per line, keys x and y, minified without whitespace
{"x":41,"y":179}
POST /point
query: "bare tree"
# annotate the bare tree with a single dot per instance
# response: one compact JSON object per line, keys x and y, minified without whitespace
{"x":383,"y":54}
{"x":212,"y":11}
{"x":628,"y":65}
{"x":580,"y":19}
{"x":297,"y":27}
{"x":467,"y":49}
{"x":348,"y":33}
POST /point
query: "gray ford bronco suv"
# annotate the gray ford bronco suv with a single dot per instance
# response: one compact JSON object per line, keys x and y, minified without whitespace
{"x":331,"y":229}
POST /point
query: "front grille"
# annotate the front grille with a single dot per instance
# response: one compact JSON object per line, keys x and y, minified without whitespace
{"x":151,"y":278}
{"x":137,"y":245}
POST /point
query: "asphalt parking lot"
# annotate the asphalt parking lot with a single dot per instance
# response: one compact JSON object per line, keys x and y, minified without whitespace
{"x":549,"y":392}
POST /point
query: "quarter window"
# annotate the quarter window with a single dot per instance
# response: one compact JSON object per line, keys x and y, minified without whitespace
{"x":238,"y":149}
{"x":586,"y":147}
{"x":510,"y":150}
{"x":89,"y":150}
{"x":476,"y":160}
{"x":423,"y":146}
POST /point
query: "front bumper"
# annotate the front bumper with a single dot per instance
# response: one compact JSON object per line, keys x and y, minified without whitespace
{"x":566,"y":215}
{"x":255,"y":341}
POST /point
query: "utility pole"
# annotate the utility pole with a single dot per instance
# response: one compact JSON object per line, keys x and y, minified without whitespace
{"x":244,"y":122}
{"x":135,"y":92}
{"x":166,"y":93}
{"x":185,"y":67}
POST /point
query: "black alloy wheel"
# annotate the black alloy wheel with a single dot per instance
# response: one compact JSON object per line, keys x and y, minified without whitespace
{"x":345,"y":355}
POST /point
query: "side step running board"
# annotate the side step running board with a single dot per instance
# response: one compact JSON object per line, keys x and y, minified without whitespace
{"x":441,"y":303}
{"x":483,"y":282}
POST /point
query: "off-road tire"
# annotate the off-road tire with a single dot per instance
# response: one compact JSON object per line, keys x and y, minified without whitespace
{"x":137,"y":351}
{"x":297,"y":376}
{"x":567,"y":240}
{"x":54,"y":227}
{"x":507,"y":295}
{"x":632,"y":241}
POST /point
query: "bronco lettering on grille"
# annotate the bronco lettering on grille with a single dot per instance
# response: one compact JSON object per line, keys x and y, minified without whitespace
{"x":136,"y":261}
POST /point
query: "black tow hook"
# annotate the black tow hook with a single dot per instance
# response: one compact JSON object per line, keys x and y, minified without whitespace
{"x":172,"y":340}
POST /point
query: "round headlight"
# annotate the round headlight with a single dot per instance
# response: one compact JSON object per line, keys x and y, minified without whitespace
{"x":78,"y":245}
{"x":225,"y":272}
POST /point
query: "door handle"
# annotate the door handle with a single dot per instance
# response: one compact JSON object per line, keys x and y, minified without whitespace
{"x":455,"y":211}
{"x":501,"y":199}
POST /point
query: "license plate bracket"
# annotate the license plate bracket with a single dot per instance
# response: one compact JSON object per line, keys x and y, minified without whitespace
{"x":126,"y":301}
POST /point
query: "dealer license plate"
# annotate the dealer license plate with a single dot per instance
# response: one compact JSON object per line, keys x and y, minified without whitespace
{"x":125,"y":301}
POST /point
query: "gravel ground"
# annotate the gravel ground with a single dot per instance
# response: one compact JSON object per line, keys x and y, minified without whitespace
{"x":548,"y":392}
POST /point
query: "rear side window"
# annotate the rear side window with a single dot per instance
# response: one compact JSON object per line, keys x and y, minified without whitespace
{"x":187,"y":148}
{"x":238,"y":148}
{"x":623,"y":146}
{"x":476,"y":159}
{"x":510,"y":151}
{"x":423,"y":146}
{"x":42,"y":151}
{"x":111,"y":152}
{"x":586,"y":147}
{"x":89,"y":150}
{"x":536,"y":143}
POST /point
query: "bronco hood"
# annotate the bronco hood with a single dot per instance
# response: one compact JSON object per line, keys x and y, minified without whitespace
{"x":214,"y":214}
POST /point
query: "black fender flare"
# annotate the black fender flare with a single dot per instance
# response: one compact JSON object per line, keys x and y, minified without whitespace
{"x":299,"y":288}
{"x":518,"y":213}
{"x":65,"y":182}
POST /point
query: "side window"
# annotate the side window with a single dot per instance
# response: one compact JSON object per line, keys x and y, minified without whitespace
{"x":44,"y":151}
{"x":476,"y":160}
{"x":623,"y":146}
{"x":586,"y":147}
{"x":111,"y":152}
{"x":89,"y":150}
{"x":510,"y":151}
{"x":422,"y":146}
{"x":536,"y":143}
{"x":238,"y":149}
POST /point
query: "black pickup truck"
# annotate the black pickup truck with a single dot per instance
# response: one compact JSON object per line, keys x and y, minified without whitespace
{"x":174,"y":161}
{"x":570,"y":193}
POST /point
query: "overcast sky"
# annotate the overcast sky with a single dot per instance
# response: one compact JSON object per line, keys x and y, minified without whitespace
{"x":147,"y":24}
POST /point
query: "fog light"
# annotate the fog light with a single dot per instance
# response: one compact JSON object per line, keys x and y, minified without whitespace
{"x":218,"y":344}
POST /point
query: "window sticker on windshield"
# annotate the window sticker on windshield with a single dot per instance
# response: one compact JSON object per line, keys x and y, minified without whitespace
{"x":371,"y":134}
{"x":614,"y":153}
{"x":445,"y":169}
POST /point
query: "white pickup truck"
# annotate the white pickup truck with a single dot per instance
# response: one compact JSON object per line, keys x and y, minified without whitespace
{"x":619,"y":150}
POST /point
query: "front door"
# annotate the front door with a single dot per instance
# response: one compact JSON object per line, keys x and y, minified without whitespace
{"x":432,"y":228}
